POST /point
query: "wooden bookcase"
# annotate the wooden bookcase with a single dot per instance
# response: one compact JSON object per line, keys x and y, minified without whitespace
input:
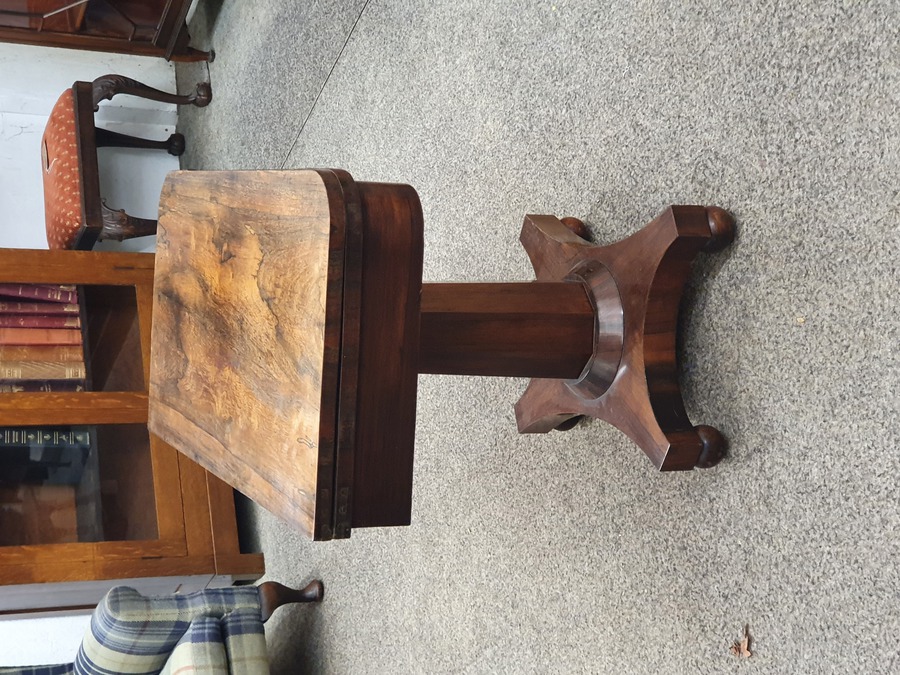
{"x":143,"y":27}
{"x":150,"y":512}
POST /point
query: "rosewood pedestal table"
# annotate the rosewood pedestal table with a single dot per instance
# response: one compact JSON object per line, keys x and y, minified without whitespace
{"x":291,"y":321}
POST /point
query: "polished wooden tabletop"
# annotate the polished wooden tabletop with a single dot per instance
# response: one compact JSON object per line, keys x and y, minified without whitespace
{"x":257,"y":348}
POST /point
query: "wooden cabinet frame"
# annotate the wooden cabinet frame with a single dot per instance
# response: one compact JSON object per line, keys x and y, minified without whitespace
{"x":194,"y":510}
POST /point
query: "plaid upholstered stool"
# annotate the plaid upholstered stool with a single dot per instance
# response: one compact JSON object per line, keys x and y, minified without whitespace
{"x":76,"y":215}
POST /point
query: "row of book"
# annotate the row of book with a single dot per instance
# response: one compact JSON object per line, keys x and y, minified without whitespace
{"x":41,"y":338}
{"x":42,"y":469}
{"x":45,"y":474}
{"x":43,"y":455}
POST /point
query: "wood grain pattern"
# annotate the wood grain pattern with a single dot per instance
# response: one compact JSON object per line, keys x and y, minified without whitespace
{"x":59,"y":570}
{"x":89,"y":407}
{"x":248,"y":291}
{"x":306,"y":328}
{"x":195,"y":506}
{"x":26,"y":266}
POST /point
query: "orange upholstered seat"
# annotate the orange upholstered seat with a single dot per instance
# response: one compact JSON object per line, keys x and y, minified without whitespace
{"x":62,"y":175}
{"x":75,"y":213}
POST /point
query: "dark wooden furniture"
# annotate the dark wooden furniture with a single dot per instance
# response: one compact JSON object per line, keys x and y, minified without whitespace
{"x":142,"y":27}
{"x":292,"y":321}
{"x":76,"y":215}
{"x":142,"y":509}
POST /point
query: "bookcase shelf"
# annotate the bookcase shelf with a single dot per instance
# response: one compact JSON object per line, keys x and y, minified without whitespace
{"x":139,"y":508}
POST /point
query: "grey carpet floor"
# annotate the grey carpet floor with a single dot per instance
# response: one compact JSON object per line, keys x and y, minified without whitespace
{"x":567,"y":552}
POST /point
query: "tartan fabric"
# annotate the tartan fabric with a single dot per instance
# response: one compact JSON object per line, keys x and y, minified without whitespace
{"x":200,"y":650}
{"x":245,"y":643}
{"x":62,"y":669}
{"x":133,"y":634}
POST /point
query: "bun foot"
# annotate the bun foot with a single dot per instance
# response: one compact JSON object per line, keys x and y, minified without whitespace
{"x":577,"y":226}
{"x":203,"y":96}
{"x":714,"y":444}
{"x":721,"y":225}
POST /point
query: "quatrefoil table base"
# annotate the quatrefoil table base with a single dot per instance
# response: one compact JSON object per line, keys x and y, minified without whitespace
{"x":635,"y":286}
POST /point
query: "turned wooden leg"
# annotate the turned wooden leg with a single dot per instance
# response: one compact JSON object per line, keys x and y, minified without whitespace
{"x":109,"y":85}
{"x":273,"y":595}
{"x":118,"y":225}
{"x":174,"y":145}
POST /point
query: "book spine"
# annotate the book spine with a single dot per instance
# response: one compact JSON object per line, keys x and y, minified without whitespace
{"x":38,"y":308}
{"x":9,"y":353}
{"x":39,"y":321}
{"x":47,"y":437}
{"x":21,"y":386}
{"x":41,"y":370}
{"x":63,"y":294}
{"x":40,"y":336}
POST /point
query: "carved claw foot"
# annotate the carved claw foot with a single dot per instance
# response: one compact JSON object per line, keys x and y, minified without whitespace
{"x":203,"y":95}
{"x":176,"y":144}
{"x":118,"y":225}
{"x":111,"y":85}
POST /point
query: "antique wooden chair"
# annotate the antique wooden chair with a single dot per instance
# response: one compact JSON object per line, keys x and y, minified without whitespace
{"x":76,"y":214}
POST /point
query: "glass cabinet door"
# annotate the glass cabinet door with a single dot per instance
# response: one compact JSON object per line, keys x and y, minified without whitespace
{"x":73,"y":483}
{"x":68,"y":484}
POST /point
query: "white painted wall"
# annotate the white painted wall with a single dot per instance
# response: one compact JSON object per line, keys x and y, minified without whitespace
{"x":31,"y":80}
{"x":41,"y":641}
